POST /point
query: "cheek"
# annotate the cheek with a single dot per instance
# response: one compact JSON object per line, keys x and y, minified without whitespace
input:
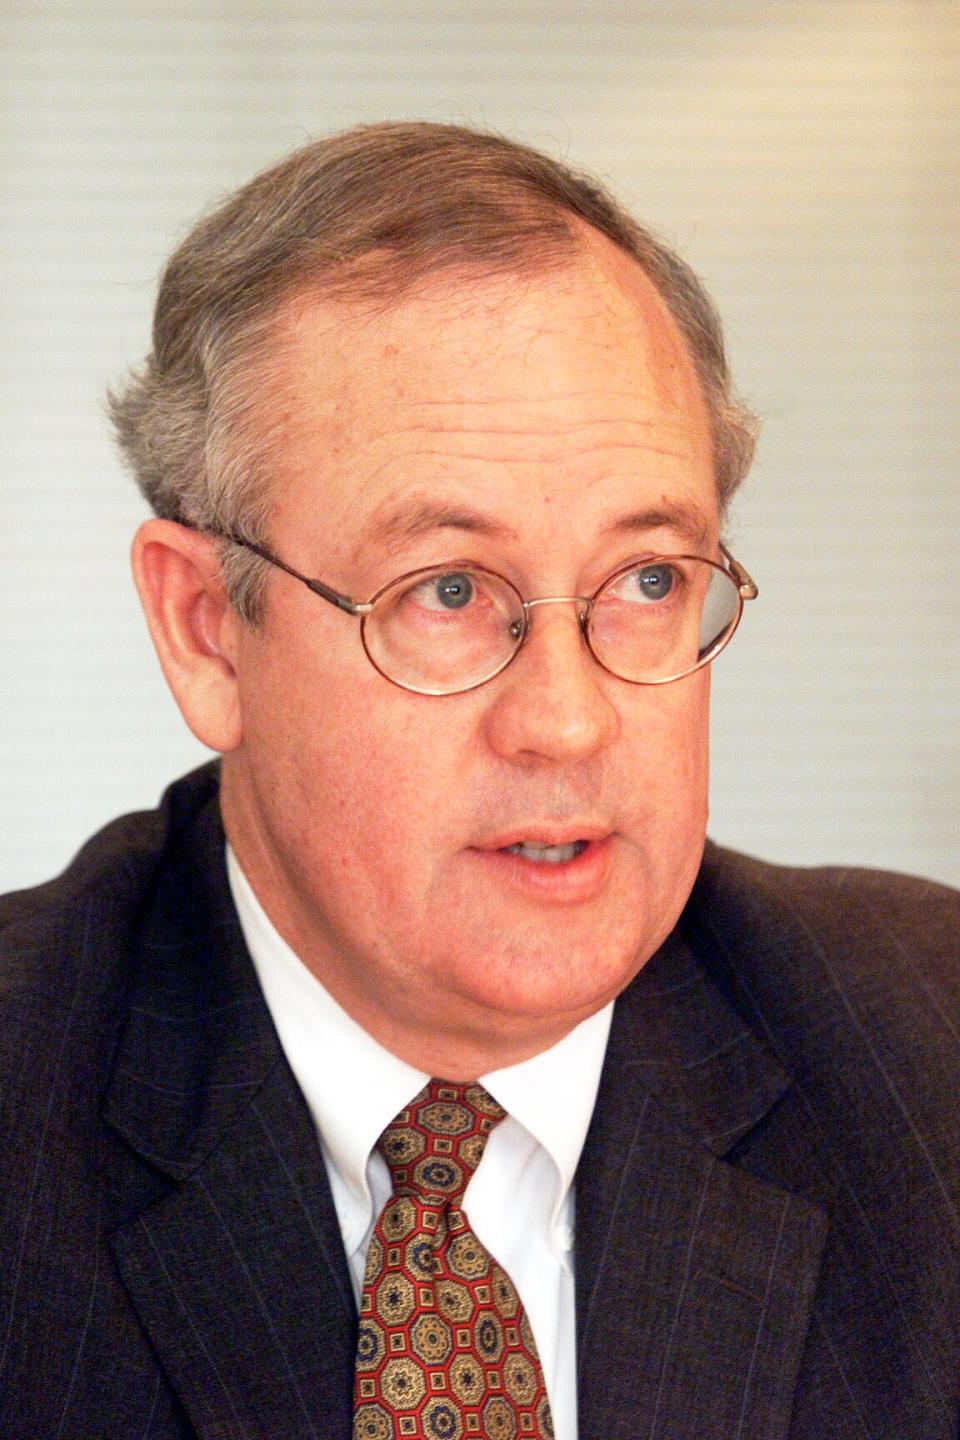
{"x":309,"y":693}
{"x":668,"y":817}
{"x":670,"y":735}
{"x":386,"y":796}
{"x":668,"y":762}
{"x":358,"y":781}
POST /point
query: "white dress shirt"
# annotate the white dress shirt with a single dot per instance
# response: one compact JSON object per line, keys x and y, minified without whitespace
{"x":520,"y":1200}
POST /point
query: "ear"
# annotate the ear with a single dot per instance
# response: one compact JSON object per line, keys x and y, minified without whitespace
{"x":193,"y":627}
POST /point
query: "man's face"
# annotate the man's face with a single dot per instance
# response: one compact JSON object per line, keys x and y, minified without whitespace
{"x":549,"y":428}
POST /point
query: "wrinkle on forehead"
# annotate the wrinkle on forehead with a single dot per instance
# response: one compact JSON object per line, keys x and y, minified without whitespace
{"x":367,"y":398}
{"x":394,"y":524}
{"x":507,"y":448}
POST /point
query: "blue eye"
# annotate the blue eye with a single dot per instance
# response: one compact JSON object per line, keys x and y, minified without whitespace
{"x":655,"y":581}
{"x":451,"y":591}
{"x":454,"y":591}
{"x":648,"y":586}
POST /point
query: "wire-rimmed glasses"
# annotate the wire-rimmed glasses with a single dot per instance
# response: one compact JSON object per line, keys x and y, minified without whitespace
{"x":445,"y":629}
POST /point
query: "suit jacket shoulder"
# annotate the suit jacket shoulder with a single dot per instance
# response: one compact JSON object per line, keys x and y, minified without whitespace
{"x":165,"y":1216}
{"x":842,"y":908}
{"x":117,"y":861}
{"x":852,"y":978}
{"x":850,"y":975}
{"x":68,"y":958}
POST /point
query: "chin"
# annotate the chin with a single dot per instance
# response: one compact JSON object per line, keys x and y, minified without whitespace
{"x":566,"y":980}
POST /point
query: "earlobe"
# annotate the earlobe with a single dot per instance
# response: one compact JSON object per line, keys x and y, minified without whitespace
{"x":193,"y":627}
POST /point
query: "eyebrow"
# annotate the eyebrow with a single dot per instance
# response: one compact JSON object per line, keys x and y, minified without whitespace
{"x":686,"y":520}
{"x":395,"y":526}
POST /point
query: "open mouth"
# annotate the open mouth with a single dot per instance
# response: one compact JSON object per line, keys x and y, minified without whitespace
{"x":548,"y":854}
{"x":561,"y":872}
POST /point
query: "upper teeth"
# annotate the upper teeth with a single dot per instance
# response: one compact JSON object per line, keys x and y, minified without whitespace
{"x":552,"y":854}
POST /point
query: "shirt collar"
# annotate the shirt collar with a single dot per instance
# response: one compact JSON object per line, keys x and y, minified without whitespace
{"x":551,"y":1095}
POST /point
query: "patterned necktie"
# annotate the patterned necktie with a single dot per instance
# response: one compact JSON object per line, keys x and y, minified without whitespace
{"x":445,"y":1350}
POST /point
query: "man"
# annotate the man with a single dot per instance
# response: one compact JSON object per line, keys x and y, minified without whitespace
{"x":439,"y":444}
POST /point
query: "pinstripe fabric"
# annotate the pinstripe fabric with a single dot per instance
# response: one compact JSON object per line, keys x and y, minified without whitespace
{"x":883,"y":1031}
{"x":769,"y":1189}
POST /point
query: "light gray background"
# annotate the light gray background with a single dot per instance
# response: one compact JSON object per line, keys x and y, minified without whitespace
{"x":803,"y":155}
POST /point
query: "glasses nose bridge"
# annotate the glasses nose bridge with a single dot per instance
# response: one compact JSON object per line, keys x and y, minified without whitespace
{"x":583,"y":602}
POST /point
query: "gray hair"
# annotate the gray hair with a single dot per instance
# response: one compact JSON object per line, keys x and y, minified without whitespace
{"x":418,"y":198}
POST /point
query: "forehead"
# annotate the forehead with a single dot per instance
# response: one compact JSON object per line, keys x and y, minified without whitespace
{"x":562,"y":387}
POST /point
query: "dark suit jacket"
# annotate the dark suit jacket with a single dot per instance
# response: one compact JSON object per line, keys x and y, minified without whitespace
{"x":767,"y":1239}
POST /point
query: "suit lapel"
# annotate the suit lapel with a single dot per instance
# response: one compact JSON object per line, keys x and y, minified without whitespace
{"x":694,"y":1279}
{"x":222,"y":1223}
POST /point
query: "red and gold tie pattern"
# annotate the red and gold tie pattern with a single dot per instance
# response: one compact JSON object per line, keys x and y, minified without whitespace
{"x":445,"y":1350}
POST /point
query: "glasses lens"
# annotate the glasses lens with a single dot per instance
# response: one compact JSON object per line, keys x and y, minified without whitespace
{"x":441,"y":631}
{"x":663,"y":618}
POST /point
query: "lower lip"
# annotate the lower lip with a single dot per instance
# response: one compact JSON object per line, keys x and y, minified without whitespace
{"x":570,"y":883}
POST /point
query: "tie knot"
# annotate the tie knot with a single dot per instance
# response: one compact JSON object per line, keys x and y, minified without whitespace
{"x":435,"y":1143}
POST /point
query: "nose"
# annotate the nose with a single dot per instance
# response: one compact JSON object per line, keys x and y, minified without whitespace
{"x":552,"y":704}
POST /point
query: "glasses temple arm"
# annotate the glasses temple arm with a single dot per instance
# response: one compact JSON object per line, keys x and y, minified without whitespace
{"x":748,"y":588}
{"x":342,"y":602}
